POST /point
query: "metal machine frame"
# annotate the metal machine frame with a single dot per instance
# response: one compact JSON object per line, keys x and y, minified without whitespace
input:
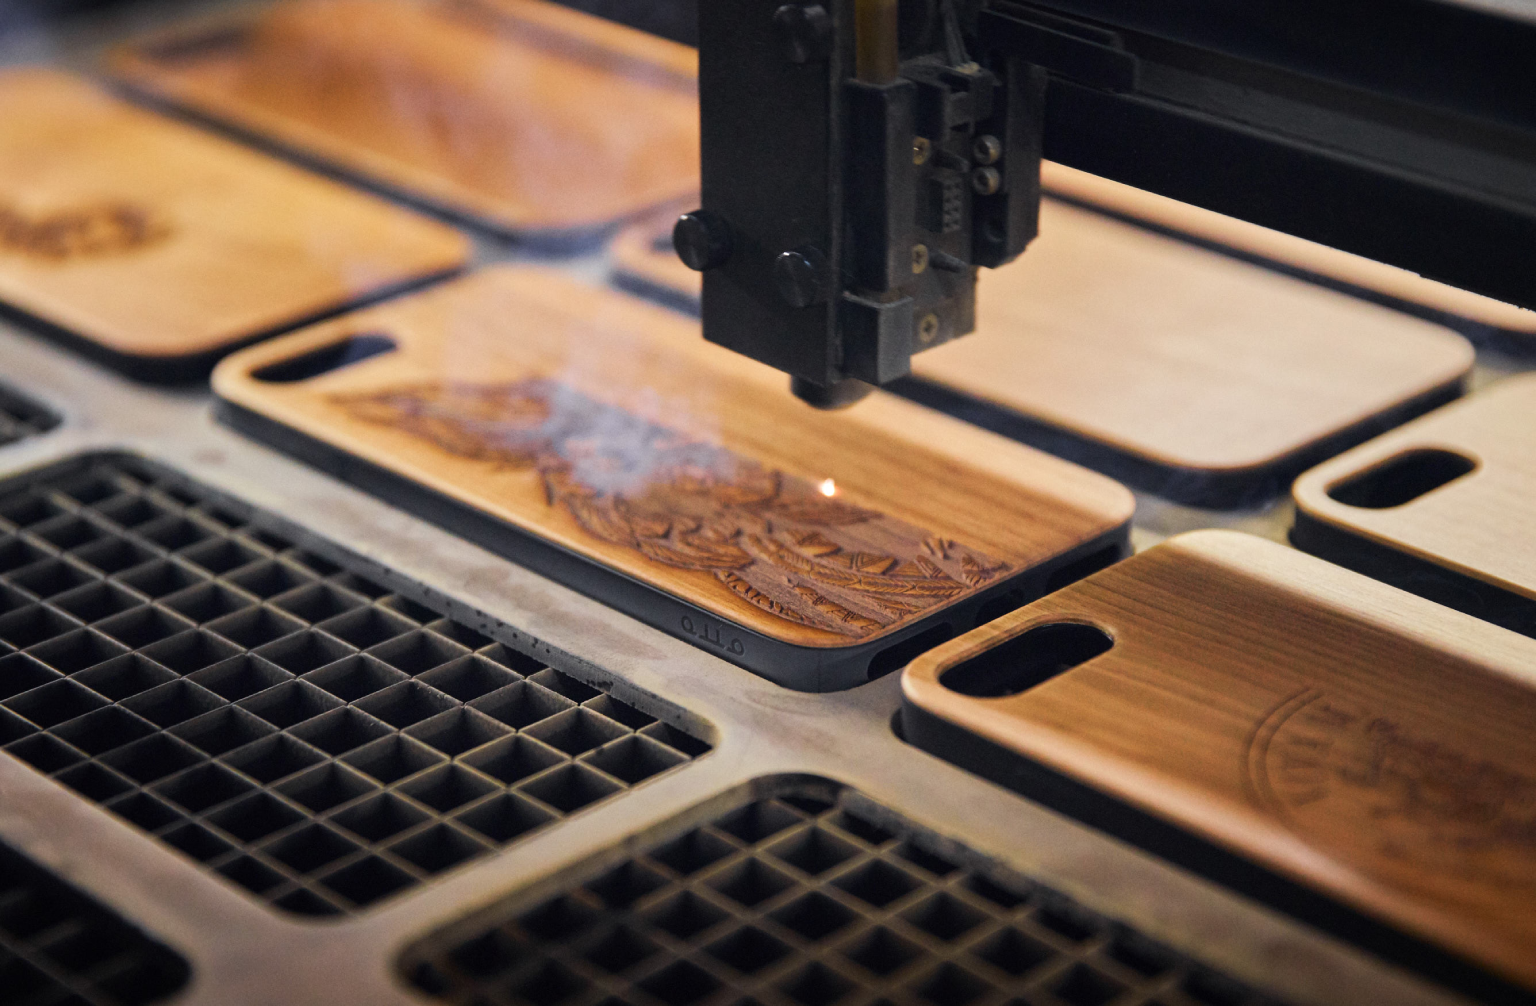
{"x":863,"y":157}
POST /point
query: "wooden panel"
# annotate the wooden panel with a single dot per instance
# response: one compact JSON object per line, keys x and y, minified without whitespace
{"x":1277,"y":246}
{"x":524,"y":115}
{"x":1348,"y":735}
{"x":153,"y":239}
{"x":1482,"y":524}
{"x":644,"y":259}
{"x":607,"y":426}
{"x":1182,"y":357}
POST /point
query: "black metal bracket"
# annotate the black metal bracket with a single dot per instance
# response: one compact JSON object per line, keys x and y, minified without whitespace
{"x":843,"y":219}
{"x":1080,"y":52}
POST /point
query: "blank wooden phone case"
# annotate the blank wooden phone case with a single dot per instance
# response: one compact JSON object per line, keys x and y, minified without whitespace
{"x":156,"y":246}
{"x":677,"y":480}
{"x":1178,"y":370}
{"x":1182,"y":371}
{"x":1469,"y":542}
{"x":1408,"y":288}
{"x":521,"y":115}
{"x":1353,"y":738}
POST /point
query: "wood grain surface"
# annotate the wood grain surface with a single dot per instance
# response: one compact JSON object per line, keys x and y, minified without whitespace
{"x":1482,"y":524}
{"x":1184,"y":357}
{"x":1181,"y":356}
{"x":153,"y":239}
{"x":1354,"y":737}
{"x":524,"y":115}
{"x":608,"y":426}
{"x":643,"y":256}
{"x":1285,"y":249}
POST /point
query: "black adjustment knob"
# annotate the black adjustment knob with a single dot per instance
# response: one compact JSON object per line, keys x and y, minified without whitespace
{"x":702,"y":240}
{"x":801,"y":276}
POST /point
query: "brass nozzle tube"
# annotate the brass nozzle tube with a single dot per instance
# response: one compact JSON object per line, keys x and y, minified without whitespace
{"x":875,"y":37}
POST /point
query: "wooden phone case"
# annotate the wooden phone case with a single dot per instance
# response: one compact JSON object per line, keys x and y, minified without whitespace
{"x":519,"y":115}
{"x":156,"y":247}
{"x":1467,"y":535}
{"x":600,"y":440}
{"x":1344,"y":736}
{"x":1354,"y":272}
{"x":1177,"y":370}
{"x":646,"y":263}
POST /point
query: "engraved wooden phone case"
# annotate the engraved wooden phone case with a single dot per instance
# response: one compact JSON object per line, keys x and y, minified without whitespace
{"x":1319,"y":260}
{"x":1442,"y":507}
{"x":1352,"y":738}
{"x":599,"y":439}
{"x":156,"y":247}
{"x":1178,"y":370}
{"x":521,"y":115}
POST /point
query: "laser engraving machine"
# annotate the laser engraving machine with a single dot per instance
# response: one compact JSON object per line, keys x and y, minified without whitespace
{"x":863,"y":158}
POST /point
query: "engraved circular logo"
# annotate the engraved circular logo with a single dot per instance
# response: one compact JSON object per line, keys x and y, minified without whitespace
{"x":1336,"y":771}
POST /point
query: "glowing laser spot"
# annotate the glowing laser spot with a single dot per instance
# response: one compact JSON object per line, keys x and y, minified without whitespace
{"x":828,"y":487}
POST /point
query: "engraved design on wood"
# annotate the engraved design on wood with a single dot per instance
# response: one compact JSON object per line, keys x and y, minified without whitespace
{"x":91,"y":231}
{"x":1331,"y":767}
{"x":772,"y":539}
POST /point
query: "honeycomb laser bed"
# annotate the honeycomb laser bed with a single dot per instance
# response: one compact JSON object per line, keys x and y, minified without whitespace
{"x":305,"y":732}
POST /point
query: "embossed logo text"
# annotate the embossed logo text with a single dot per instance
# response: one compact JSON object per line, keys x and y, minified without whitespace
{"x":94,"y":231}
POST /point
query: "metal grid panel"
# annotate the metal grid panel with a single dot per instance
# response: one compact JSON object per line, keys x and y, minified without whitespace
{"x":59,"y":948}
{"x":20,"y":418}
{"x":303,"y":731}
{"x":811,"y":897}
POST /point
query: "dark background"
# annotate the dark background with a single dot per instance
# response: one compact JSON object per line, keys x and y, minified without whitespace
{"x":18,"y":13}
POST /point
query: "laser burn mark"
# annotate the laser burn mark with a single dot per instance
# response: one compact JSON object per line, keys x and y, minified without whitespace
{"x":773,"y":540}
{"x":91,"y":231}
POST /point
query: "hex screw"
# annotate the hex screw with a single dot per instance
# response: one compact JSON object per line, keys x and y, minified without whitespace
{"x":928,"y":329}
{"x":987,"y":149}
{"x":986,"y":181}
{"x":805,"y":32}
{"x":800,"y":276}
{"x":702,"y":240}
